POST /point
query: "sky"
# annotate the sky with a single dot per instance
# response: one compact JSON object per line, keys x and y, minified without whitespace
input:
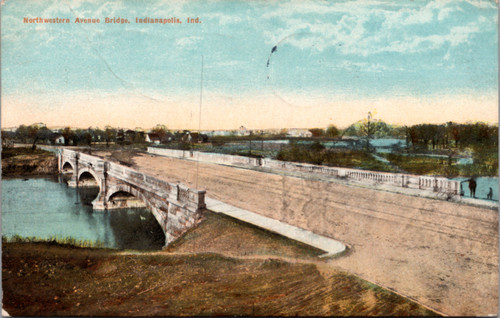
{"x":266,"y":64}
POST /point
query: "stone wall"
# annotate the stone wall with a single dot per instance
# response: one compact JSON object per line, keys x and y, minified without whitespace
{"x":206,"y":156}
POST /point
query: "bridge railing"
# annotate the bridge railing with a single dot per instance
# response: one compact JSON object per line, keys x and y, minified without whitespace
{"x":174,"y":191}
{"x":88,"y":158}
{"x":205,"y":156}
{"x":437,"y":184}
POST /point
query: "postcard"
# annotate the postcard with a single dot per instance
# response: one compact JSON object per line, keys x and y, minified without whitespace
{"x":254,"y":158}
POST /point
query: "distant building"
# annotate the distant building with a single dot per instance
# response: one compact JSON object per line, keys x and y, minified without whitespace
{"x":152,"y":138}
{"x":299,"y":132}
{"x":39,"y":125}
{"x":7,"y":142}
{"x":11,"y":129}
{"x":242,"y":131}
{"x":120,"y":135}
{"x":275,"y":131}
{"x":58,"y":139}
{"x":214,"y":133}
{"x":160,"y":127}
{"x":194,"y":137}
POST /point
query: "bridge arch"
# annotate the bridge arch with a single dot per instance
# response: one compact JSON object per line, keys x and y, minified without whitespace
{"x":127,"y":189}
{"x":85,"y":171}
{"x":67,"y":167}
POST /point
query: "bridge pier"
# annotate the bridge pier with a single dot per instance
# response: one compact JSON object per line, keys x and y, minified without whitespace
{"x":176,"y":207}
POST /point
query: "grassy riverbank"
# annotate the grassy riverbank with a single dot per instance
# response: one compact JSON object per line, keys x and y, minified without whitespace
{"x":223,"y":267}
{"x":54,"y":240}
{"x":27,"y":162}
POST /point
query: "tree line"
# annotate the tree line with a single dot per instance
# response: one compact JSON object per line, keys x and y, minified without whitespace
{"x":452,"y":135}
{"x":39,"y":134}
{"x":421,"y":136}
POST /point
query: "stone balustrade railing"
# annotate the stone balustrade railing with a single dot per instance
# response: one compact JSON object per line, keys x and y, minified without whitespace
{"x":178,"y":192}
{"x":436,"y":184}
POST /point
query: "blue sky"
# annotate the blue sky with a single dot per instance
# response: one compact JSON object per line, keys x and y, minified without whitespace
{"x":408,"y":61}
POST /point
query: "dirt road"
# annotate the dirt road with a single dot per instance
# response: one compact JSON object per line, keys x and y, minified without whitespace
{"x":442,"y":254}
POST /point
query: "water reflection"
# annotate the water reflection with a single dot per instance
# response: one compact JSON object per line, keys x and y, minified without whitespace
{"x":47,"y":207}
{"x":134,"y":229}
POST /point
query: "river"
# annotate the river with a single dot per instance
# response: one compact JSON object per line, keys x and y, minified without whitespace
{"x":46,"y":207}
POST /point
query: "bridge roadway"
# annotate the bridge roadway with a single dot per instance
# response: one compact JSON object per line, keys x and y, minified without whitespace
{"x":442,"y":254}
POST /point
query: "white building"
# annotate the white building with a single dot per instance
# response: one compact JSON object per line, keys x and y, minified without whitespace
{"x":39,"y":125}
{"x":217,"y":133}
{"x":152,"y":138}
{"x":243,"y":131}
{"x":299,"y":132}
{"x":59,"y":140}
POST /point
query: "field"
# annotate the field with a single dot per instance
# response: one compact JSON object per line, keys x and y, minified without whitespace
{"x":425,"y":165}
{"x":27,"y":162}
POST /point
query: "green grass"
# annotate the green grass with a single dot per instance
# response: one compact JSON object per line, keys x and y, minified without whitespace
{"x":55,"y":240}
{"x":13,"y":152}
{"x":422,"y":165}
{"x":25,"y":162}
{"x":346,"y":158}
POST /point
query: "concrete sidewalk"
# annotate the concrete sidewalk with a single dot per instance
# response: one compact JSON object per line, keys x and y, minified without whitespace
{"x":330,"y":246}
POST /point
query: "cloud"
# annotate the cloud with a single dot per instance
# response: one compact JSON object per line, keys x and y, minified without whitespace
{"x":108,"y":9}
{"x":352,"y":66}
{"x":365,"y":36}
{"x":356,"y":7}
{"x":444,"y":13}
{"x":456,"y":36}
{"x":367,"y":27}
{"x":187,"y":41}
{"x":461,"y":34}
{"x":225,"y":19}
{"x":483,"y":4}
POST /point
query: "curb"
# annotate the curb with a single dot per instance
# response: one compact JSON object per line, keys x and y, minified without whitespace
{"x":330,"y":246}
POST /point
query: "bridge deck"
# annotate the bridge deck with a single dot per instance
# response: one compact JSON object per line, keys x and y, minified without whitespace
{"x":443,"y":254}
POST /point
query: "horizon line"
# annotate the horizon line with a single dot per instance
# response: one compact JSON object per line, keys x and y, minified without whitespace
{"x":249,"y":129}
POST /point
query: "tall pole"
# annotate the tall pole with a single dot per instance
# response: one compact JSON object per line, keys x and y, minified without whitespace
{"x":199,"y":120}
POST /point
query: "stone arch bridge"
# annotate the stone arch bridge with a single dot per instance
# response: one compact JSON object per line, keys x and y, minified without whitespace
{"x":176,"y":207}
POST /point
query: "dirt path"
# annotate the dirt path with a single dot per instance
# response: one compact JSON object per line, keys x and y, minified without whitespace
{"x":441,"y":254}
